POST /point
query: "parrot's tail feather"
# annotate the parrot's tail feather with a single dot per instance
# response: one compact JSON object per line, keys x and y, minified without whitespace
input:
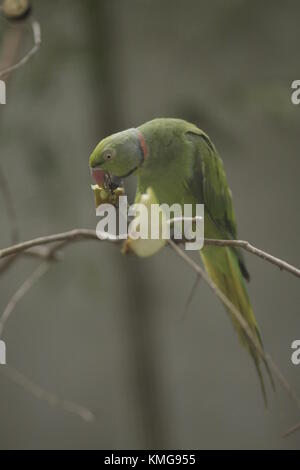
{"x":223,"y":267}
{"x":265,"y":362}
{"x":261,"y":379}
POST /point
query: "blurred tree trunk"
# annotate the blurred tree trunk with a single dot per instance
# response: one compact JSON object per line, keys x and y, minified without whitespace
{"x":101,"y":22}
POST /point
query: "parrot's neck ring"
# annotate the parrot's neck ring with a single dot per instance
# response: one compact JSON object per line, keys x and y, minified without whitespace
{"x":144,"y":153}
{"x":143,"y":145}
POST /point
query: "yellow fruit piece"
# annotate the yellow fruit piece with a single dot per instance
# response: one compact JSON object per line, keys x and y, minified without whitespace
{"x":104,"y":196}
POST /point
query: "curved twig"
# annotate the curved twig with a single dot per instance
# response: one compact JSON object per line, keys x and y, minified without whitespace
{"x":281,"y":264}
{"x":36,"y":29}
{"x":291,"y":430}
{"x":50,"y":398}
{"x":77,"y":234}
{"x":19,"y":294}
{"x":63,"y":239}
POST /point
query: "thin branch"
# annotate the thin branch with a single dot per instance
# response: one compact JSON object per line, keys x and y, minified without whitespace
{"x":79,"y":234}
{"x":72,"y":235}
{"x":43,"y":253}
{"x":19,"y":294}
{"x":36,"y":30}
{"x":256,"y":251}
{"x":239,"y":318}
{"x":65,"y":238}
{"x":19,"y":378}
{"x":50,"y":398}
{"x":292,"y":430}
{"x":47,"y":255}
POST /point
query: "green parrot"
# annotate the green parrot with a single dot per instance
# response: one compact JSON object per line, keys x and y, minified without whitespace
{"x":181,"y":165}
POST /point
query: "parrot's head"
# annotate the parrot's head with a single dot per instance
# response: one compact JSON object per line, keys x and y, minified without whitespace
{"x":118,"y":155}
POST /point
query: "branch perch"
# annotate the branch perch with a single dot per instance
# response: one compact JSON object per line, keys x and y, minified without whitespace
{"x":79,"y":234}
{"x":65,"y":238}
{"x":283,"y":265}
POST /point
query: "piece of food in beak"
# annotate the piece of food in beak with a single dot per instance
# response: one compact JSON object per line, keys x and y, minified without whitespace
{"x":106,"y":196}
{"x":100,"y":194}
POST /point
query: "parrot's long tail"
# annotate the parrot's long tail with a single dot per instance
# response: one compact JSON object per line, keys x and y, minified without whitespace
{"x":226,"y":271}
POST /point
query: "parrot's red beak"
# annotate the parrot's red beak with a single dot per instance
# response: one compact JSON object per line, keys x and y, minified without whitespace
{"x":98,"y":175}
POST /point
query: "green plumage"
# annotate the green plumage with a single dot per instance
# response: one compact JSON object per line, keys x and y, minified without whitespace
{"x":182,"y":166}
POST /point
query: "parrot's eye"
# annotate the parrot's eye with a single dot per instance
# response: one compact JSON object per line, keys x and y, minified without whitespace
{"x":108,"y":155}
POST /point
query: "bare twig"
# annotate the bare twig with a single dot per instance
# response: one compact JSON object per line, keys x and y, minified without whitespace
{"x":72,"y":235}
{"x":292,"y":430}
{"x":11,"y":43}
{"x":50,"y":398}
{"x":65,"y":238}
{"x":256,"y":251}
{"x":44,"y":253}
{"x":36,"y":29}
{"x":19,"y":378}
{"x":48,"y":255}
{"x":19,"y":294}
{"x":78,"y":234}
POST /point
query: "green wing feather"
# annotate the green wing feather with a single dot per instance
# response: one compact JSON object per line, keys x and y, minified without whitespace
{"x":225,"y":266}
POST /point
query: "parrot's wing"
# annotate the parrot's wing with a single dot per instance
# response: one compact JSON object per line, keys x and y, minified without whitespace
{"x":215,"y":191}
{"x":225,"y":267}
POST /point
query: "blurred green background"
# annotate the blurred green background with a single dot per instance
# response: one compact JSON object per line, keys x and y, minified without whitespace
{"x":107,"y":331}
